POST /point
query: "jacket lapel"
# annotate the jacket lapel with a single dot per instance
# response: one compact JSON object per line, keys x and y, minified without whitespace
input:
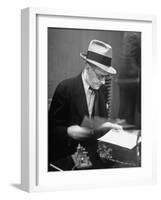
{"x":81,"y":102}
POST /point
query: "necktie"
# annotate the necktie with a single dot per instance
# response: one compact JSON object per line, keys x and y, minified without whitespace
{"x":95,"y":111}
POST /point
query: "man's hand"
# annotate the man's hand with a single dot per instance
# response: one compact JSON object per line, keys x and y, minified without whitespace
{"x":105,"y":127}
{"x":78,"y":133}
{"x":109,"y":125}
{"x":81,"y":133}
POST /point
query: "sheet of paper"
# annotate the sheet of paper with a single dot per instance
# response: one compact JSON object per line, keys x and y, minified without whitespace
{"x":121,"y":138}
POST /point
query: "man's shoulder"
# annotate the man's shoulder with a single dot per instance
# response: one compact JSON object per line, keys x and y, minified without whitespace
{"x":68,"y":83}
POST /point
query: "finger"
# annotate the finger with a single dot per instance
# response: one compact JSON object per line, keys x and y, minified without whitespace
{"x":117,"y":127}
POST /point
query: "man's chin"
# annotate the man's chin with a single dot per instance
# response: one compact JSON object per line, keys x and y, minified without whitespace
{"x":96,"y":87}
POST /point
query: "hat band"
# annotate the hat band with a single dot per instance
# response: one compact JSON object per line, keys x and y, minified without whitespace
{"x":99,"y":58}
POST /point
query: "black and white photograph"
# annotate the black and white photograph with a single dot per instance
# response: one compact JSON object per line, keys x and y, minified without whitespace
{"x":94,"y":99}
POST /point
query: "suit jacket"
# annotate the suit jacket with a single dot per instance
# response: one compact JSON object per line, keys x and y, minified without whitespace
{"x":68,"y":107}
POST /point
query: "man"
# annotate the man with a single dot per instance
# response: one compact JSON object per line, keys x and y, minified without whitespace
{"x":76,"y":98}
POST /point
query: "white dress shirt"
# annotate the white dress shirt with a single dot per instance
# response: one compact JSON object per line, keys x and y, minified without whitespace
{"x":90,"y":95}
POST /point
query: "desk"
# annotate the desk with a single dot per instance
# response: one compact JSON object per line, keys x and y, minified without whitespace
{"x":120,"y":158}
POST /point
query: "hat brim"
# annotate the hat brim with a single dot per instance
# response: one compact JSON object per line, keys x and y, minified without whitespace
{"x":108,"y":69}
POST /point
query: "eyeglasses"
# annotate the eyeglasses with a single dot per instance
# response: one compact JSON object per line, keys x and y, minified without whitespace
{"x":98,"y":75}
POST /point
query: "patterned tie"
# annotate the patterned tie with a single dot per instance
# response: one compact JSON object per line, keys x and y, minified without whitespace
{"x":95,"y":111}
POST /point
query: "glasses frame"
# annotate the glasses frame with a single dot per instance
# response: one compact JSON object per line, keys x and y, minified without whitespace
{"x":100,"y":77}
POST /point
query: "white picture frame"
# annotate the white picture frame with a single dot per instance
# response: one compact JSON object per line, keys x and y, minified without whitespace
{"x":34,"y":22}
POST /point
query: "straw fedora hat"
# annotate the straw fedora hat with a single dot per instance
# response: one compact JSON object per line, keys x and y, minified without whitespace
{"x":100,"y":54}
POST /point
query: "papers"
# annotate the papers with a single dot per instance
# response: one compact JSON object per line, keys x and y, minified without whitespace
{"x":127,"y":139}
{"x":124,"y":138}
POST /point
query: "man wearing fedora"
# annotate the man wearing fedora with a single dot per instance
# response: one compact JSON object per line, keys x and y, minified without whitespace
{"x":76,"y":98}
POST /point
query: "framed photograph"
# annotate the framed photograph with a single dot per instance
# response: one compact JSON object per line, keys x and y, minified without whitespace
{"x":86,"y":108}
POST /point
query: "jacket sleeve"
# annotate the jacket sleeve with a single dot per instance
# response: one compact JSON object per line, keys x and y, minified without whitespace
{"x":58,"y":112}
